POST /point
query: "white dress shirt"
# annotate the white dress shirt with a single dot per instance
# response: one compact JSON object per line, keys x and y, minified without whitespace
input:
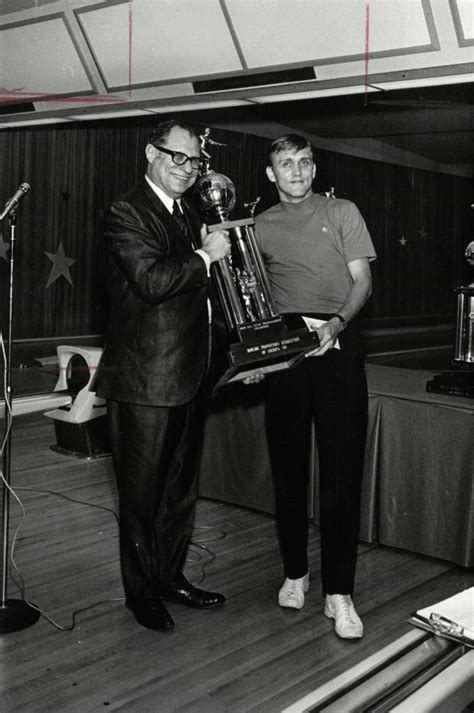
{"x":168,"y":203}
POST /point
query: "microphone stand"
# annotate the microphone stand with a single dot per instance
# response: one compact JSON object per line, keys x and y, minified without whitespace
{"x":15,"y":614}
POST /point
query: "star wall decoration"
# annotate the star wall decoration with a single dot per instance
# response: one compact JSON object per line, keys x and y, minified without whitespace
{"x":403,"y":241}
{"x":422,"y":233}
{"x":61,"y":265}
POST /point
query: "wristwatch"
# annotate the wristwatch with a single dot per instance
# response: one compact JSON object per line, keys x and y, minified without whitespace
{"x":341,"y":320}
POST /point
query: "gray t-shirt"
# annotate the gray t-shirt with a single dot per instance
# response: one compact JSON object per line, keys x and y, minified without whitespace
{"x":306,"y":248}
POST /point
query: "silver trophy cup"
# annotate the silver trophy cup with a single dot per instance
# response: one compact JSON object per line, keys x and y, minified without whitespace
{"x":464,"y":348}
{"x":260,"y":340}
{"x":460,"y":381}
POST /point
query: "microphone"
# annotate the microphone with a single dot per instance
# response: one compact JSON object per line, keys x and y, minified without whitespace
{"x":12,"y":202}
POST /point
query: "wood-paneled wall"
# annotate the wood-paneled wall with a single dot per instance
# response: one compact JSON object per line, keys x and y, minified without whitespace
{"x":76,"y":170}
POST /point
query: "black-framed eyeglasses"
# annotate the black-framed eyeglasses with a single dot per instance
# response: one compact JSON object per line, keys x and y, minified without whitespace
{"x":180,"y":158}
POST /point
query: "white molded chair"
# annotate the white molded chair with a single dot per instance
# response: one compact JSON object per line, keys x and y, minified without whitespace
{"x":86,"y":405}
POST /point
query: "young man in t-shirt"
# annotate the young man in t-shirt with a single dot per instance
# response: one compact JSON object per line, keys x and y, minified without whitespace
{"x":317,"y":252}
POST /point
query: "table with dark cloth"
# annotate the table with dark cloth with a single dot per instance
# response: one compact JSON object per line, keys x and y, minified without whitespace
{"x":418,"y":486}
{"x":425,"y":466}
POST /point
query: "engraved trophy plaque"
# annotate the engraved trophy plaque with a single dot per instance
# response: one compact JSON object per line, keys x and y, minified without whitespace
{"x":260,"y":339}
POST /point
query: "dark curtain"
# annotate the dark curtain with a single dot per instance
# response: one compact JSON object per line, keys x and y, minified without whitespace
{"x":75,"y":170}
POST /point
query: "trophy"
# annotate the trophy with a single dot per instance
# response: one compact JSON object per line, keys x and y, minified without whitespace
{"x":464,"y":346}
{"x":460,"y":382}
{"x":260,"y":339}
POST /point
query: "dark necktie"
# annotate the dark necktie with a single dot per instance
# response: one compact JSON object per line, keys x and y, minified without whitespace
{"x":180,"y":219}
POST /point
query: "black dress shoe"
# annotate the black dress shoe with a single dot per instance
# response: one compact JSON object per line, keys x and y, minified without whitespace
{"x":183,"y":592}
{"x":151,"y":613}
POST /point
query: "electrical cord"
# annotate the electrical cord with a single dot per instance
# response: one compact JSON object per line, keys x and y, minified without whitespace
{"x":5,"y":397}
{"x":8,"y":410}
{"x":194,"y":543}
{"x":17,"y":575}
{"x":200,"y":545}
{"x":71,"y":500}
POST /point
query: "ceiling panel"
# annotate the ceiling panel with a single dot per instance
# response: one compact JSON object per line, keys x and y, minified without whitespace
{"x":35,"y":63}
{"x":463,"y":14}
{"x":154,"y":41}
{"x":9,"y":7}
{"x":267,"y":29}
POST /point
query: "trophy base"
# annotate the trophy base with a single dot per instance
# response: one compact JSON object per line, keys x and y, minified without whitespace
{"x":454,"y":383}
{"x":262,"y":357}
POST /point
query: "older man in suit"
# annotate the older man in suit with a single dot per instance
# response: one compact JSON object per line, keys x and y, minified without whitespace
{"x":153,"y":371}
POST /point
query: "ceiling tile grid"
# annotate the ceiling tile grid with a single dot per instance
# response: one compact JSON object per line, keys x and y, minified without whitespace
{"x":463,"y":18}
{"x":32,"y":61}
{"x":273,"y":32}
{"x":89,"y":59}
{"x":152,"y":41}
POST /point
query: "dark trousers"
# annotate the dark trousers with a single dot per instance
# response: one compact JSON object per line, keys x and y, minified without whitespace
{"x":331,"y":391}
{"x":156,"y":453}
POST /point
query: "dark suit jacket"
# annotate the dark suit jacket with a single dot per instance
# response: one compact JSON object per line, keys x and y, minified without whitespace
{"x":157,"y":342}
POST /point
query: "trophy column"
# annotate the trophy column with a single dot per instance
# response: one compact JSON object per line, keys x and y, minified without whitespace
{"x":244,"y":286}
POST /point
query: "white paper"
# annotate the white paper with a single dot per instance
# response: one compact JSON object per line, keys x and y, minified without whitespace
{"x":312,"y":323}
{"x":459,"y":609}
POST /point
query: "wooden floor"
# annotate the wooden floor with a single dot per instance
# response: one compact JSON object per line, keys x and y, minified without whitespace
{"x":249,"y":656}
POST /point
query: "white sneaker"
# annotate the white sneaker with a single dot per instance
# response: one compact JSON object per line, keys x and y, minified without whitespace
{"x":348,"y":624}
{"x":292,"y":592}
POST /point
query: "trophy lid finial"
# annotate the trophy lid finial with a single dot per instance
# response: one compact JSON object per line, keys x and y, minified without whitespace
{"x":205,"y":141}
{"x":252,"y":205}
